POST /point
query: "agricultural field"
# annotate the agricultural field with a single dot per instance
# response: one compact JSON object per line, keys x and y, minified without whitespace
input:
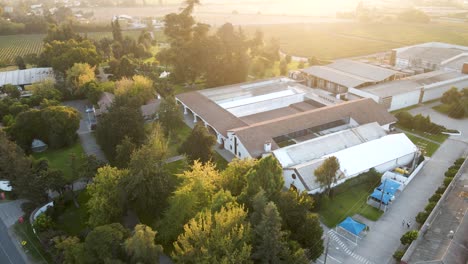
{"x":20,"y":45}
{"x":340,"y":40}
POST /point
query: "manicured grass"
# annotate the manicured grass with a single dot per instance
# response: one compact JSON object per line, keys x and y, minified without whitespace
{"x":60,"y":158}
{"x":349,"y":203}
{"x":33,"y":246}
{"x":428,"y":148}
{"x":435,"y":137}
{"x":74,"y":220}
{"x":339,"y":40}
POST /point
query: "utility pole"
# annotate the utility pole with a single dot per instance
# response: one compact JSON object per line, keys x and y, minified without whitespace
{"x":383,"y":190}
{"x":326,"y":250}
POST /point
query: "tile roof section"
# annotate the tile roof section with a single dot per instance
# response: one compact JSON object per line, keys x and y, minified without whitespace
{"x":216,"y":116}
{"x":363,"y":111}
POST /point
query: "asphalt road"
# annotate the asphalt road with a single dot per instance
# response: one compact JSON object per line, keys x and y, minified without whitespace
{"x":8,"y":252}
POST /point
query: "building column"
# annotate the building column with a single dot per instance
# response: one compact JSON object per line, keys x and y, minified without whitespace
{"x":206,"y":124}
{"x":185,"y":110}
{"x":219,"y":138}
{"x":195,"y":118}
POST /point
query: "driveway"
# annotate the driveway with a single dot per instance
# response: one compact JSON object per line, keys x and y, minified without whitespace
{"x":88,"y":141}
{"x":441,"y":119}
{"x":10,"y":250}
{"x":383,"y":238}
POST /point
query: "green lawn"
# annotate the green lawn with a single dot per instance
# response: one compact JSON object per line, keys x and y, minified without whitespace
{"x":60,"y":158}
{"x":427,"y":147}
{"x":73,"y":220}
{"x":435,"y":137}
{"x":349,"y":203}
{"x":33,"y":246}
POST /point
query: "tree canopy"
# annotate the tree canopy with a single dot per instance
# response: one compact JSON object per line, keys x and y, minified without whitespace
{"x":199,"y":144}
{"x":326,"y":173}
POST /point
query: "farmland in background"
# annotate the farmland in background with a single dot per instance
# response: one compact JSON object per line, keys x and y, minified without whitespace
{"x":341,"y":40}
{"x":20,"y":45}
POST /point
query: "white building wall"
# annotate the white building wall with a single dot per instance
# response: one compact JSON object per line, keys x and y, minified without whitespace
{"x":242,"y":152}
{"x":432,"y":92}
{"x":404,"y":100}
{"x":263,"y":106}
{"x":402,"y":63}
{"x":288,"y":180}
{"x":392,"y":164}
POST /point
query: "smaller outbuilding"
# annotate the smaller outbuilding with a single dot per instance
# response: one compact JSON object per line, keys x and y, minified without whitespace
{"x":38,"y":145}
{"x":26,"y":77}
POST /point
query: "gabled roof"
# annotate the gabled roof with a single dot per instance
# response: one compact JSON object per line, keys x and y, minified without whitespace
{"x":350,"y":73}
{"x":216,"y":116}
{"x":363,"y":111}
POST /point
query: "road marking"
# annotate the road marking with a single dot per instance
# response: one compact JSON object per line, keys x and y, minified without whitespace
{"x":6,"y":254}
{"x":334,"y":259}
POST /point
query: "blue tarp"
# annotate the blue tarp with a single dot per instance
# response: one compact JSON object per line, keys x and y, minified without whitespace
{"x":378,"y":195}
{"x":391,"y":187}
{"x":352,"y":226}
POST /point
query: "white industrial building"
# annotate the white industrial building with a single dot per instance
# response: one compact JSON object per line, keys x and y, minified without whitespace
{"x":26,"y":77}
{"x":342,"y":75}
{"x":252,"y":119}
{"x":430,"y":56}
{"x":357,"y":149}
{"x":300,"y":126}
{"x":414,"y":90}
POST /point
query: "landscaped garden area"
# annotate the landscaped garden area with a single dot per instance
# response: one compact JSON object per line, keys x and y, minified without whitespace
{"x":349,"y":199}
{"x":454,"y":103}
{"x":60,"y":158}
{"x":427,"y":135}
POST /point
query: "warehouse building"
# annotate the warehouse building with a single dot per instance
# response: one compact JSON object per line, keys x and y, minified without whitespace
{"x":430,"y":56}
{"x":26,"y":77}
{"x":252,"y":119}
{"x":415,"y":89}
{"x":370,"y":142}
{"x":341,"y":75}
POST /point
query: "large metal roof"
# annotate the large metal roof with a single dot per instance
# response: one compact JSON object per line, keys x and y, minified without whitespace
{"x":25,"y":77}
{"x":350,"y":73}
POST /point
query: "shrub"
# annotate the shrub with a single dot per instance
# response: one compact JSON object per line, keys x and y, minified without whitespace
{"x":459,"y":161}
{"x":43,"y":222}
{"x":421,"y":217}
{"x":451,"y":173}
{"x":398,"y":255}
{"x":447,"y":181}
{"x":405,"y":119}
{"x":430,"y":206}
{"x":409,"y":236}
{"x":435,"y":197}
{"x":441,"y":190}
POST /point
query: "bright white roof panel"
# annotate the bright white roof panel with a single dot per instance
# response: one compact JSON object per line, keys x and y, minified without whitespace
{"x":256,"y":99}
{"x":25,"y":77}
{"x":362,"y":157}
{"x":318,"y":147}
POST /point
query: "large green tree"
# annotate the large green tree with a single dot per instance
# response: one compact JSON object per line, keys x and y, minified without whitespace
{"x":295,"y":210}
{"x":220,"y":237}
{"x":234,"y":177}
{"x":118,"y":123}
{"x":148,"y":184}
{"x":141,"y":248}
{"x":198,"y":185}
{"x":105,"y":204}
{"x":170,"y":115}
{"x":104,"y":244}
{"x":199,"y":144}
{"x":79,"y":75}
{"x":267,"y":174}
{"x":327,"y":173}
